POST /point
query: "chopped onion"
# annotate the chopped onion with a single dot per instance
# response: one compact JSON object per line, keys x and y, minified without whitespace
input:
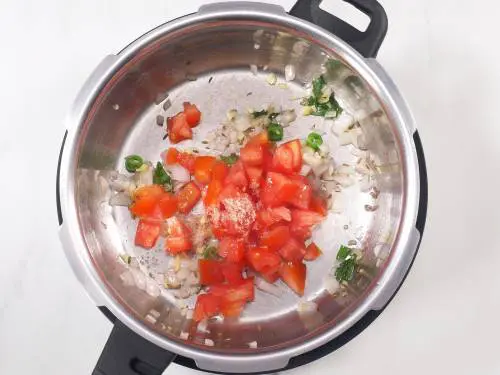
{"x":178,"y":173}
{"x":152,"y":288}
{"x":305,"y":170}
{"x":252,"y":345}
{"x":253,"y":69}
{"x":202,"y":326}
{"x":120,"y":183}
{"x":331,"y":285}
{"x":144,"y":178}
{"x":209,"y":342}
{"x":263,"y":285}
{"x":288,"y":116}
{"x":306,"y":307}
{"x":189,"y":314}
{"x":184,"y":335}
{"x":289,"y":72}
{"x":120,"y":199}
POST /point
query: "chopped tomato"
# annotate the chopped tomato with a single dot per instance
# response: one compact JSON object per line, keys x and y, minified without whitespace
{"x":271,"y":275}
{"x":292,"y":250}
{"x":207,"y":306}
{"x":232,"y":309}
{"x":275,"y":238}
{"x":187,"y":197}
{"x":277,"y":190}
{"x":146,"y":200}
{"x":213,"y":191}
{"x":193,"y":114}
{"x":231,"y":249}
{"x":252,"y":155}
{"x":210,"y":272}
{"x":219,"y":171}
{"x":187,"y":160}
{"x":203,"y":166}
{"x":254,"y":177}
{"x":288,"y":157}
{"x":243,"y":292}
{"x":147,"y":233}
{"x":260,"y":139}
{"x":263,"y":260}
{"x":294,"y":275}
{"x":318,"y":205}
{"x":171,"y":156}
{"x":302,"y":223}
{"x":168,"y":205}
{"x":178,"y":236}
{"x":302,"y":197}
{"x":312,"y":252}
{"x":178,"y":128}
{"x":237,"y":176}
{"x":270,"y":216}
{"x":232,"y":273}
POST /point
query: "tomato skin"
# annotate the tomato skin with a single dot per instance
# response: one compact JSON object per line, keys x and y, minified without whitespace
{"x":252,"y":155}
{"x":213,"y":191}
{"x":219,"y":170}
{"x":207,"y":306}
{"x":178,"y":236}
{"x":146,"y":200}
{"x":292,"y":250}
{"x":187,"y":197}
{"x":186,"y":160}
{"x":302,"y":223}
{"x":312,"y":252}
{"x":232,"y":273}
{"x":147,"y":233}
{"x":288,"y":157}
{"x":203,"y":166}
{"x":263,"y":260}
{"x":193,"y":114}
{"x":210,"y":272}
{"x":168,"y":205}
{"x":237,"y":176}
{"x":178,"y":128}
{"x":319,"y":206}
{"x":275,"y":238}
{"x":171,"y":156}
{"x":231,"y":249}
{"x":294,"y":275}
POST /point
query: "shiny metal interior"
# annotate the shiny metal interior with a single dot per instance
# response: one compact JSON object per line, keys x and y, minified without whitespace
{"x":208,"y":64}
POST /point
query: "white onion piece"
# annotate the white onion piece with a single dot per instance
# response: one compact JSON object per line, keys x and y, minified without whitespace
{"x":307,"y":307}
{"x":144,"y":178}
{"x":120,"y":183}
{"x":344,"y":180}
{"x":202,"y":326}
{"x":287,"y":117}
{"x":252,"y":345}
{"x":152,"y":288}
{"x":331,"y":285}
{"x":178,"y":173}
{"x":184,"y":335}
{"x":189,"y":314}
{"x":289,"y":72}
{"x":120,"y":199}
{"x":209,"y":342}
{"x":253,"y":69}
{"x":266,"y":287}
{"x":305,"y":170}
{"x":242,"y":123}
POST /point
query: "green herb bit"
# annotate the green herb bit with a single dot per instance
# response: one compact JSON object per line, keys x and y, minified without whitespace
{"x":133,"y":162}
{"x":343,"y":252}
{"x":314,"y":140}
{"x":275,"y":132}
{"x":318,"y":85}
{"x":230,"y":159}
{"x":161,"y":177}
{"x":210,"y":252}
{"x":346,"y":269}
{"x":256,"y":114}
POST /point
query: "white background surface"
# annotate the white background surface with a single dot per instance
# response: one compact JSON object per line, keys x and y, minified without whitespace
{"x":444,"y":57}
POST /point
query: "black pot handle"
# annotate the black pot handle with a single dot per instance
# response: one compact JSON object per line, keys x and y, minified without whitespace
{"x":127,"y":353}
{"x":367,"y":43}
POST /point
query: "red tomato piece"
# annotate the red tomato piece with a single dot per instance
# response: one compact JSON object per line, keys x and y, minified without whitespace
{"x":207,"y":306}
{"x":252,"y":155}
{"x":178,"y":236}
{"x":243,"y":292}
{"x":260,"y":139}
{"x":254,"y":177}
{"x":210,"y":272}
{"x":147,"y":233}
{"x":318,"y":205}
{"x":187,"y":197}
{"x":302,"y":223}
{"x":193,"y":114}
{"x":288,"y":157}
{"x":232,"y":309}
{"x":168,"y":205}
{"x":267,"y":217}
{"x":277,"y":189}
{"x":293,"y":250}
{"x":263,"y":260}
{"x":302,"y":197}
{"x":231,"y":249}
{"x":237,"y":176}
{"x":178,"y":128}
{"x":213,"y":191}
{"x":219,"y":171}
{"x":232,"y":273}
{"x":171,"y":156}
{"x":203,"y":166}
{"x":294,"y":275}
{"x":275,"y":238}
{"x":146,"y":200}
{"x":312,"y":252}
{"x":186,"y":160}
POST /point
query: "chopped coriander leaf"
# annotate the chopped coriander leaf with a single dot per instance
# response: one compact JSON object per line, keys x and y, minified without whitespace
{"x":161,"y":177}
{"x":275,"y":132}
{"x":343,"y":252}
{"x":230,"y":159}
{"x":133,"y":162}
{"x":210,"y":252}
{"x":332,"y":64}
{"x":256,"y":114}
{"x":314,"y":140}
{"x":318,"y":85}
{"x":346,"y":270}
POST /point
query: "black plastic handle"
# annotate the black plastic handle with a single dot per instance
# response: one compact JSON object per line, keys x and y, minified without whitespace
{"x":367,"y":43}
{"x":127,"y":353}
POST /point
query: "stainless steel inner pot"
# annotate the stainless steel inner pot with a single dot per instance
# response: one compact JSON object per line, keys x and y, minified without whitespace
{"x":205,"y":58}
